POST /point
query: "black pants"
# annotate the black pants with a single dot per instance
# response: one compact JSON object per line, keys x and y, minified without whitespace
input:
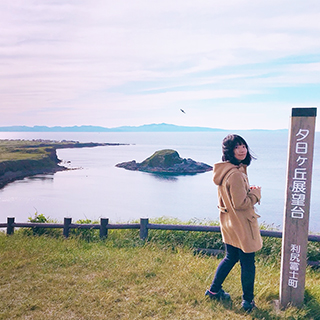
{"x":247,"y":263}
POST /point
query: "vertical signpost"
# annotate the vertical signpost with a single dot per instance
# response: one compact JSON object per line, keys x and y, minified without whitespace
{"x":297,"y":205}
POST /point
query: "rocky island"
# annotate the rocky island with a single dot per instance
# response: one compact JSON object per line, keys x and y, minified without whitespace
{"x":166,"y":162}
{"x":24,"y":158}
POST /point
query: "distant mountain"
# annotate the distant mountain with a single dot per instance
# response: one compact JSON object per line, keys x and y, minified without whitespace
{"x":162,"y":127}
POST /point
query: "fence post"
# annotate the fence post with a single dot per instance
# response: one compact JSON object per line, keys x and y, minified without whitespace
{"x":66,"y":227}
{"x":144,"y":228}
{"x":103,"y":228}
{"x":10,"y":227}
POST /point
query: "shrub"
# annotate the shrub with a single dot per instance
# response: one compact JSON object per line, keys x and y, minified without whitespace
{"x":85,"y":234}
{"x":313,"y":251}
{"x":38,"y":231}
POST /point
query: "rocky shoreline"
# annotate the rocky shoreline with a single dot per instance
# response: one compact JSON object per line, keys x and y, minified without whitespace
{"x":38,"y":157}
{"x":18,"y":170}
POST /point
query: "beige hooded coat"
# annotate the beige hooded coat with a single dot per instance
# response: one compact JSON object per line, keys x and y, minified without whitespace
{"x":238,"y":219}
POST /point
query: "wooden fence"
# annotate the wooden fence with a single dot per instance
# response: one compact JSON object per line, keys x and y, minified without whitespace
{"x":144,"y":226}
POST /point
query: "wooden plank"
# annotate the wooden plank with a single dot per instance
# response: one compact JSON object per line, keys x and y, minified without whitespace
{"x":182,"y":227}
{"x":297,"y":206}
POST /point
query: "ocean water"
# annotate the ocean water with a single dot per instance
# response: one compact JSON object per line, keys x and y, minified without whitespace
{"x":96,"y":188}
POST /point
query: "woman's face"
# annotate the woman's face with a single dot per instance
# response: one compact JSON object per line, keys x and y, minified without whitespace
{"x":240,"y":152}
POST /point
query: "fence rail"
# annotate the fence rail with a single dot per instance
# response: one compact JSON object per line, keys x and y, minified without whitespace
{"x":144,"y":227}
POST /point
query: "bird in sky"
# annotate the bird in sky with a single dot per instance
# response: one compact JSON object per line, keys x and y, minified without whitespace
{"x":182,"y":111}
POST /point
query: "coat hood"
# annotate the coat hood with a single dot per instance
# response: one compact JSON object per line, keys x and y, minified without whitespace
{"x":220,"y":169}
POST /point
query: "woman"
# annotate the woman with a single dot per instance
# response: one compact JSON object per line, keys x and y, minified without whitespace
{"x":238,"y":220}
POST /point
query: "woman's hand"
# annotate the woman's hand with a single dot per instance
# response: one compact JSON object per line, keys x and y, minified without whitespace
{"x":257,"y":192}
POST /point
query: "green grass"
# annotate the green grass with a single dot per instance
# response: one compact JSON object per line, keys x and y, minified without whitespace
{"x":15,"y":150}
{"x":22,"y":154}
{"x":21,"y":150}
{"x":46,"y":277}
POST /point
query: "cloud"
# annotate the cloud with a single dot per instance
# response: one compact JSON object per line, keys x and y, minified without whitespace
{"x":61,"y":60}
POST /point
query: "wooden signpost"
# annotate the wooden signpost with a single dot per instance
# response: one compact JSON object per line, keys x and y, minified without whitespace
{"x":297,"y":205}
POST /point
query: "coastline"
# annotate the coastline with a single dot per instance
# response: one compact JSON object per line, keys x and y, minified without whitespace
{"x":38,"y":157}
{"x":18,"y":170}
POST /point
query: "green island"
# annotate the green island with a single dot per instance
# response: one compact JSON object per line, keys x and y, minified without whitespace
{"x":24,"y":158}
{"x":166,"y":161}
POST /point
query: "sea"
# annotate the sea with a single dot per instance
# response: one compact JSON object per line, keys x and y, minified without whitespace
{"x":95,"y":188}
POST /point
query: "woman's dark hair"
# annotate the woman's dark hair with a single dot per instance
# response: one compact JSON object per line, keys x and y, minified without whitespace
{"x":228,"y":145}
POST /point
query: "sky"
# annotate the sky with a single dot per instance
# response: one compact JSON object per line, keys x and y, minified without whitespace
{"x":233,"y":64}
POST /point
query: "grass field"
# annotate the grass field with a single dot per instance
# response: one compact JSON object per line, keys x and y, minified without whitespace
{"x":13,"y":150}
{"x":46,"y":277}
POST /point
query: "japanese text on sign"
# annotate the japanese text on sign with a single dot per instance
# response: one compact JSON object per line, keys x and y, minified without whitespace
{"x":300,"y":174}
{"x":294,"y":265}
